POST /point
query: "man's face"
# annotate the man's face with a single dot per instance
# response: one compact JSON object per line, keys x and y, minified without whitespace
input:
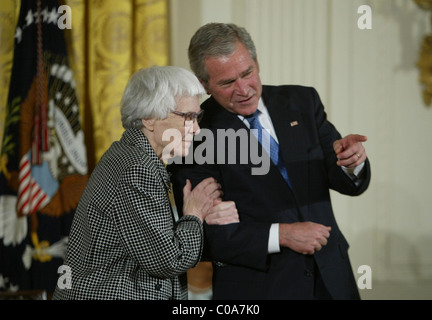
{"x":234,"y":81}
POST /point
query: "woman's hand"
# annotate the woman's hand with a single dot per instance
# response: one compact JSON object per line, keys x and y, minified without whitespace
{"x":223,"y":212}
{"x":200,"y":200}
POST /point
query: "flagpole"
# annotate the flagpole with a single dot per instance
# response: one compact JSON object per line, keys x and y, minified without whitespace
{"x":40,"y":130}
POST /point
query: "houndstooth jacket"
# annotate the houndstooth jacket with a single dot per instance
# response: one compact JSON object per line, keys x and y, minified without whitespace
{"x":124,"y":242}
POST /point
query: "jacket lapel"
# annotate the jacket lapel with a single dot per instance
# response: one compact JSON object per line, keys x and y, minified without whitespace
{"x":220,"y":117}
{"x":136,"y":138}
{"x":288,"y":126}
{"x":287,"y":123}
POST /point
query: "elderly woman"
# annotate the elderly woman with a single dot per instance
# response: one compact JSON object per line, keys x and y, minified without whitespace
{"x":125,"y":242}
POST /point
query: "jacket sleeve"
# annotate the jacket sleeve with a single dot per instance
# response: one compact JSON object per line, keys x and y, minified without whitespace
{"x":244,"y":243}
{"x":339,"y":181}
{"x":143,"y":218}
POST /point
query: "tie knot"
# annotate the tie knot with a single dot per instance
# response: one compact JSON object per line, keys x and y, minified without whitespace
{"x":253,"y":119}
{"x":253,"y":115}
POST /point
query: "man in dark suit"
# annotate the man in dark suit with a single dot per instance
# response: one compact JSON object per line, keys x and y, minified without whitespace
{"x":287,"y":244}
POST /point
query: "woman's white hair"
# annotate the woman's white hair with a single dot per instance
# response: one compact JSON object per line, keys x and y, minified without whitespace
{"x":151,"y":93}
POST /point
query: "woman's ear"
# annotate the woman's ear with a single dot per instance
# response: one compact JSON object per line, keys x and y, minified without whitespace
{"x":148,"y":124}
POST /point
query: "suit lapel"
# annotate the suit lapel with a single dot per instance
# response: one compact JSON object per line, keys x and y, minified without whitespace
{"x":286,"y":122}
{"x":217,"y":117}
{"x":288,"y":126}
{"x":222,"y":118}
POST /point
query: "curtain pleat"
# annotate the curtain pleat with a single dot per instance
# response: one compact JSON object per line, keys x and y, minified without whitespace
{"x":109,"y":40}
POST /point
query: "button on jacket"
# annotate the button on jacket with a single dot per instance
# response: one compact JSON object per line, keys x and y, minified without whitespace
{"x":124,"y":242}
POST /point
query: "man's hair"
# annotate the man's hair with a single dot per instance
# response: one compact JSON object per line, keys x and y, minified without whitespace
{"x":216,"y":40}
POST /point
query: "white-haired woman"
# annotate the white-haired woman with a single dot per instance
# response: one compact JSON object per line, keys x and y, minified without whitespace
{"x":125,"y":242}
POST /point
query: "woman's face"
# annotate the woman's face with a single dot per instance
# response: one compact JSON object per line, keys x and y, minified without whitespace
{"x":173,"y":135}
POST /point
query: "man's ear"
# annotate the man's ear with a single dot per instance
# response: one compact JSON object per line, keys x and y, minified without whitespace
{"x":149,"y":124}
{"x":205,"y":85}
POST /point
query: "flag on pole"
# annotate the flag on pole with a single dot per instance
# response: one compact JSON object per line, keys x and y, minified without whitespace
{"x":43,"y":167}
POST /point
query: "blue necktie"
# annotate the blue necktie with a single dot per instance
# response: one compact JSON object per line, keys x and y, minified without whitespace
{"x":274,"y":146}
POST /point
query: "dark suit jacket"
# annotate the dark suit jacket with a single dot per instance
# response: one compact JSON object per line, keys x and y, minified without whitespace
{"x":243,"y":269}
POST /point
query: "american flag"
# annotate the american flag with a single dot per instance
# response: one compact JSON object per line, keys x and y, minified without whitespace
{"x":43,"y":156}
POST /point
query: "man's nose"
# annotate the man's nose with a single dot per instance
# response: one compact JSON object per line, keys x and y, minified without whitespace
{"x":242,"y":87}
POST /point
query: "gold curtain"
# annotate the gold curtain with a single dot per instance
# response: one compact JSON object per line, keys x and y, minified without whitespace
{"x":108,"y":41}
{"x":9,"y":10}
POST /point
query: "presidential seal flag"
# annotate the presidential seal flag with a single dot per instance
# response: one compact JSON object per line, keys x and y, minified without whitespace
{"x":43,"y":155}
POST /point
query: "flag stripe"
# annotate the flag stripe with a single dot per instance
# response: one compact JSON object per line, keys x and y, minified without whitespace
{"x":30,"y":195}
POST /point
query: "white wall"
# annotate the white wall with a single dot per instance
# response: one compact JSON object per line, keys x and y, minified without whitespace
{"x":368,"y":82}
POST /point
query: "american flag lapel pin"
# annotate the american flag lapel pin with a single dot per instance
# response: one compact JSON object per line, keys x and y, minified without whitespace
{"x":294,"y":123}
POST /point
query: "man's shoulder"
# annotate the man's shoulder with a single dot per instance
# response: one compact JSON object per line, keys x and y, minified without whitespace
{"x":288,"y":89}
{"x":296,"y":95}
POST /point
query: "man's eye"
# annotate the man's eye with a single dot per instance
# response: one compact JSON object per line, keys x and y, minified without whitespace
{"x":248,"y":74}
{"x":227,"y":84}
